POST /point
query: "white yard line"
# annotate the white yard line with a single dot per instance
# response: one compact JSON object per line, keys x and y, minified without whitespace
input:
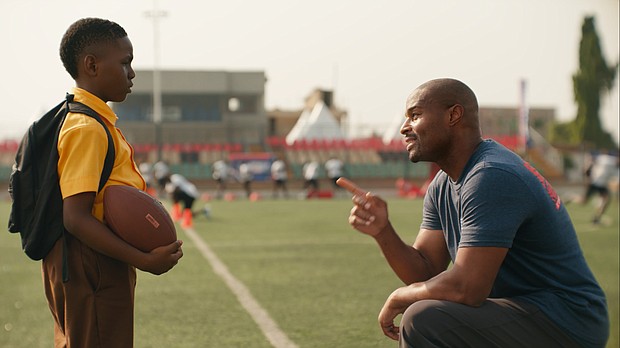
{"x":268,"y":326}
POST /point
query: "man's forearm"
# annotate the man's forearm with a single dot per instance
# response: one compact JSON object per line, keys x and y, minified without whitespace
{"x":407,"y":262}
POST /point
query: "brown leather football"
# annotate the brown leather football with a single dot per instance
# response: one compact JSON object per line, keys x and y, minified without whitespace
{"x":137,"y":218}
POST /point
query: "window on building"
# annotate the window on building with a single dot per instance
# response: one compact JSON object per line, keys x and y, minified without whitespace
{"x":193,"y":107}
{"x":137,"y":107}
{"x":186,"y":107}
{"x":243,"y":104}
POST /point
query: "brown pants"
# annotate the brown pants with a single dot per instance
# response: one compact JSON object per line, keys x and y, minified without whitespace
{"x":95,"y":307}
{"x":497,"y":323}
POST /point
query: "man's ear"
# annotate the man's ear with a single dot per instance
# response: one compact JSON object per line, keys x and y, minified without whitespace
{"x":89,"y":64}
{"x":456,"y":114}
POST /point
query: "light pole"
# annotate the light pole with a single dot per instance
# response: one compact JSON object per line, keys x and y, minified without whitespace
{"x":155,"y":15}
{"x":524,"y":122}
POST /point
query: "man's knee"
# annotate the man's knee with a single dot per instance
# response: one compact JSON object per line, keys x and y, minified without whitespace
{"x":421,"y":322}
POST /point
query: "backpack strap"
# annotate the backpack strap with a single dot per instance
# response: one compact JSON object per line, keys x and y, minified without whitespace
{"x":108,"y":164}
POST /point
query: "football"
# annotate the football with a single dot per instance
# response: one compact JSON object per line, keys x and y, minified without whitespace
{"x":137,"y":218}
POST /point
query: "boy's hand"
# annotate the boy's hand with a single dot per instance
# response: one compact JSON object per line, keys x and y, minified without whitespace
{"x":369,"y":215}
{"x":160,"y":260}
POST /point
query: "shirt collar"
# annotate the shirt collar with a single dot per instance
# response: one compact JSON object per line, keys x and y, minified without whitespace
{"x":98,"y":105}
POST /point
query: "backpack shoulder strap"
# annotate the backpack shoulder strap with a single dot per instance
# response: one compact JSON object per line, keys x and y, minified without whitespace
{"x":108,"y":164}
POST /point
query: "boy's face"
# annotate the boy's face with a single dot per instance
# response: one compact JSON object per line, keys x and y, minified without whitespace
{"x":114,"y":71}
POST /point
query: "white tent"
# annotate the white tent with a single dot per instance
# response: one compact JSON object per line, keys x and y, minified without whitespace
{"x":392,"y":132}
{"x":299,"y":128}
{"x":318,"y":124}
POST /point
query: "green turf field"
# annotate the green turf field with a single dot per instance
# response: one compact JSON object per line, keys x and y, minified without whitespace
{"x":322,"y":282}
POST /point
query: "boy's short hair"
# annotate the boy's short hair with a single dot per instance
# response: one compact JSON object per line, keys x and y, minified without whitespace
{"x":82,"y":35}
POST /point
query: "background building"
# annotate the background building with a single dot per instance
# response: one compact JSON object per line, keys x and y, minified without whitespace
{"x":198,"y":107}
{"x":219,"y":115}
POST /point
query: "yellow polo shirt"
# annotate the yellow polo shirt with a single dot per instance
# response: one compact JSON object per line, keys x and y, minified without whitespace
{"x":82,"y":146}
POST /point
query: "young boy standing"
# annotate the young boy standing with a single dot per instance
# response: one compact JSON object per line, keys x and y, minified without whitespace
{"x":95,"y":307}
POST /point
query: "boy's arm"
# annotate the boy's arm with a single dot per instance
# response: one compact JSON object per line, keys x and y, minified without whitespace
{"x":79,"y":221}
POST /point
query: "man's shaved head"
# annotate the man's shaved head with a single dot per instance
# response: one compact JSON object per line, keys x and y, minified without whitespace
{"x":447,"y":92}
{"x":444,"y":93}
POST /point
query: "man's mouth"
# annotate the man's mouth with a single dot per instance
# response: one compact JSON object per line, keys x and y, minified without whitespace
{"x":409,"y":142}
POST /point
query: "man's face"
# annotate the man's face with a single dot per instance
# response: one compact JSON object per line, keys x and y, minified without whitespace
{"x":115,"y":72}
{"x":425,"y":128}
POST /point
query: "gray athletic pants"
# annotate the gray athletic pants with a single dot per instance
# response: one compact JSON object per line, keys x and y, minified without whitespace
{"x":497,"y":323}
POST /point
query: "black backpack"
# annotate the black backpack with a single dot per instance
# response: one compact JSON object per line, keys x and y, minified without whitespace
{"x":36,"y":210}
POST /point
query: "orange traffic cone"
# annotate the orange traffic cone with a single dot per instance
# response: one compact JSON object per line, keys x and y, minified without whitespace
{"x":187,"y":219}
{"x":151,"y":191}
{"x":176,"y":212}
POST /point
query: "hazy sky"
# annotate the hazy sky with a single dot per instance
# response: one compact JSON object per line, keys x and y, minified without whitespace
{"x":373,"y":53}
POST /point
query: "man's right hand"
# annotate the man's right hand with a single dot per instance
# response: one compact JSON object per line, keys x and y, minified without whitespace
{"x":370,"y":213}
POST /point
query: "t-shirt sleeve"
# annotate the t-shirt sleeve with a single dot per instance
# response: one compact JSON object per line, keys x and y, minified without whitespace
{"x":494,"y":203}
{"x":430,"y":210}
{"x":430,"y":213}
{"x":82,"y":148}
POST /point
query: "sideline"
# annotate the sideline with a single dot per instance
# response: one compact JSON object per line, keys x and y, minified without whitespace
{"x":268,"y":326}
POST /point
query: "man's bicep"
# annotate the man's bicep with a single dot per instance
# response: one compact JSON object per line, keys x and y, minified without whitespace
{"x":432,"y":247}
{"x":476,"y":269}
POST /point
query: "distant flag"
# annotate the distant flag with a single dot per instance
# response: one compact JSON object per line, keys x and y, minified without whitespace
{"x":524,"y":131}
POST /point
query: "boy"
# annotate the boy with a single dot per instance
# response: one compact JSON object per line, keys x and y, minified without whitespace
{"x":181,"y":190}
{"x":279,"y":176}
{"x":95,"y":307}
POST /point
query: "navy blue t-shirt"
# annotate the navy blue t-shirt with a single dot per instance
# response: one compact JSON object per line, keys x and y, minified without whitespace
{"x":502,"y":201}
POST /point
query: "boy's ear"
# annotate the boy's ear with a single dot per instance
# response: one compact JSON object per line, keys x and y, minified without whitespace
{"x":89,"y":64}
